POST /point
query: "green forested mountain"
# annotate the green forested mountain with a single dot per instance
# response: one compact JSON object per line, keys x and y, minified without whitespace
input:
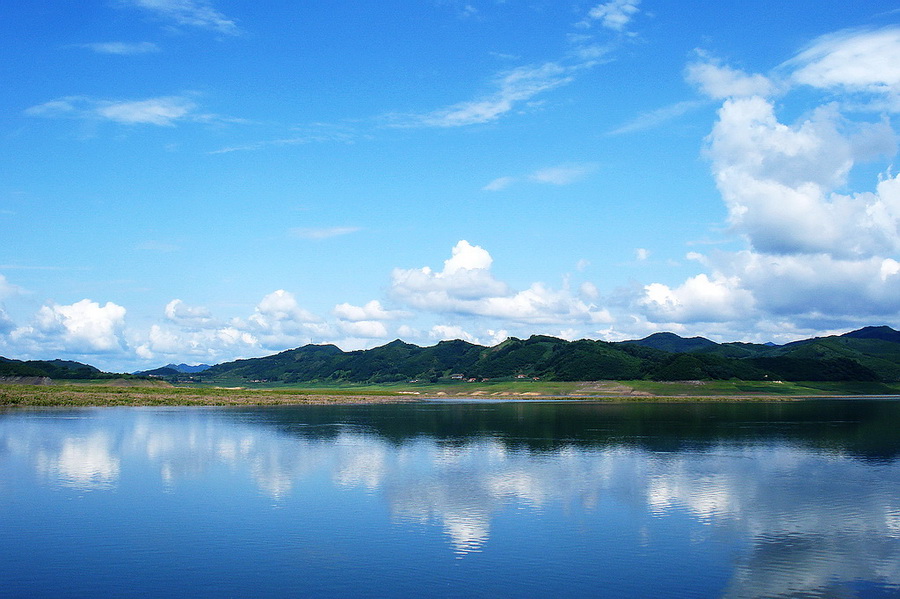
{"x":671,"y":342}
{"x":883,"y":333}
{"x":54,"y":369}
{"x":869,"y":354}
{"x":865,"y":355}
{"x":538,"y":356}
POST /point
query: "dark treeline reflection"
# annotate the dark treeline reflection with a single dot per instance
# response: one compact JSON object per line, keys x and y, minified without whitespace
{"x":863,"y":429}
{"x":576,"y":499}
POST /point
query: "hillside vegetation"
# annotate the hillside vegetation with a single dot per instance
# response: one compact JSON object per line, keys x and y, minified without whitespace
{"x":868,"y":355}
{"x":54,"y":369}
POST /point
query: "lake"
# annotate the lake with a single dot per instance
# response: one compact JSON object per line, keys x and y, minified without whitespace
{"x":478,"y":499}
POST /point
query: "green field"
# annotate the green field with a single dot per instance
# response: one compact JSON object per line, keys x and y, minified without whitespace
{"x":126,"y":393}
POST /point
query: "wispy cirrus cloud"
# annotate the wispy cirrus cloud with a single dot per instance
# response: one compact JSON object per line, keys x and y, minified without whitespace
{"x":564,"y":174}
{"x":154,"y":111}
{"x":714,"y":80}
{"x":189,"y":13}
{"x":317,"y":234}
{"x":517,"y":89}
{"x":498,"y":184}
{"x":853,"y":61}
{"x":314,"y":133}
{"x":657,"y":117}
{"x":163,"y":111}
{"x":121,"y":48}
{"x":513,"y":89}
{"x":614,"y":15}
{"x":561,"y":175}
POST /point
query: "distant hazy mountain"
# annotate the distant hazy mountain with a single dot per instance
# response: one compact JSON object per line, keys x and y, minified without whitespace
{"x":174,"y":370}
{"x":187,"y":368}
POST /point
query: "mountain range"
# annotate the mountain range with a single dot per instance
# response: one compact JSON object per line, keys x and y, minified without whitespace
{"x":173,"y":370}
{"x":867,"y":354}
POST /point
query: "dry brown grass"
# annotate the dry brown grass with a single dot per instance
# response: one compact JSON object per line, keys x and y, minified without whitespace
{"x":79,"y":395}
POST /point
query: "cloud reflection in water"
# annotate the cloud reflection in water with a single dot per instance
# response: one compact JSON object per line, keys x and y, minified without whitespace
{"x":811,"y":520}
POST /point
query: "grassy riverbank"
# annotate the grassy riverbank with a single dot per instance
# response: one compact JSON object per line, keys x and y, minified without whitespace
{"x":127,"y":393}
{"x":86,"y":394}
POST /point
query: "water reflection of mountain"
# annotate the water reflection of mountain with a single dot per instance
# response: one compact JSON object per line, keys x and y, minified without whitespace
{"x":808,"y":516}
{"x":864,"y":429}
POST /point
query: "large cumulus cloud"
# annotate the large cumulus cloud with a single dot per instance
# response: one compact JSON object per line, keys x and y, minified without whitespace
{"x":84,"y":327}
{"x":467,"y":286}
{"x":817,"y":250}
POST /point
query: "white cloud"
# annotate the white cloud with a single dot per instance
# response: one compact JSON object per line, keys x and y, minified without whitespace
{"x":443,"y":332}
{"x":373,"y":310}
{"x":60,"y":107}
{"x":466,"y":277}
{"x":560,"y":175}
{"x":323,"y":233}
{"x":819,"y":254}
{"x":191,"y":13}
{"x":553,"y":175}
{"x":7,"y":289}
{"x":6,"y":323}
{"x":277,"y":322}
{"x":855,"y":60}
{"x":83,"y":327}
{"x":777,"y":179}
{"x":122,"y":48}
{"x":589,"y":291}
{"x":162,"y":111}
{"x":407,"y":332}
{"x":514,"y":88}
{"x":281,"y":305}
{"x":318,"y":133}
{"x":366,"y":329}
{"x":655,"y":118}
{"x":208,"y":345}
{"x":499,"y":184}
{"x":496,"y":337}
{"x":187,"y":316}
{"x":817,"y":286}
{"x":641,"y":254}
{"x":155,"y":111}
{"x":540,"y":304}
{"x":467,"y":257}
{"x":699,"y":299}
{"x":721,"y":81}
{"x":615,"y":15}
{"x":466,"y":286}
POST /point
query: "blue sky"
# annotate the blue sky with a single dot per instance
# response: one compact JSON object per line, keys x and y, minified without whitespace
{"x":191,"y":180}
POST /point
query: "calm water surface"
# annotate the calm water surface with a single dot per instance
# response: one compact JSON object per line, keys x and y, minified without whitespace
{"x":798,"y":499}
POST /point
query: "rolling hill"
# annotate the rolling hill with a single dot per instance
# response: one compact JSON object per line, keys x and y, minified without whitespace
{"x":866,"y":355}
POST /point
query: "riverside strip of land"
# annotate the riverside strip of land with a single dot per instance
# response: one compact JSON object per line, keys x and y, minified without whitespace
{"x":154,"y":393}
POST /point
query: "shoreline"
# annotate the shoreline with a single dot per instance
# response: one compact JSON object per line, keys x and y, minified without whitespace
{"x":87,"y":395}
